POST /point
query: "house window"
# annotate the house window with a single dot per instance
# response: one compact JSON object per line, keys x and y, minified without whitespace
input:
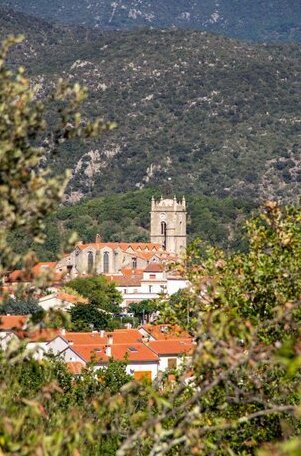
{"x":134,"y":263}
{"x":150,"y":287}
{"x":106,"y":262}
{"x":172,"y":363}
{"x":152,"y":276}
{"x":90,"y":262}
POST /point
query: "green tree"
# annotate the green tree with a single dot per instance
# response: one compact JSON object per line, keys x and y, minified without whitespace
{"x":101,"y":293}
{"x":144,"y":309}
{"x":245,"y":315}
{"x":114,"y":376}
{"x":29,"y":191}
{"x":85,"y":317}
{"x":19,"y":305}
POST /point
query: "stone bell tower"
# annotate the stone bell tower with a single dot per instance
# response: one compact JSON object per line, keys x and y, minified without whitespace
{"x":168,"y":224}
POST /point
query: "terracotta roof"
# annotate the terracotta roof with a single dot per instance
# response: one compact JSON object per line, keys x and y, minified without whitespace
{"x":123,"y":336}
{"x":126,"y":272}
{"x":133,"y":281}
{"x":40,"y":335}
{"x":132,"y":352}
{"x":85,"y":338}
{"x":145,"y":255}
{"x":165,"y":331}
{"x":120,"y":336}
{"x":12,"y":321}
{"x":75,"y":367}
{"x":43,"y":266}
{"x":171,"y":347}
{"x":15,"y":275}
{"x":71,"y":298}
{"x":121,"y":245}
{"x":154,"y":267}
{"x":20,"y":275}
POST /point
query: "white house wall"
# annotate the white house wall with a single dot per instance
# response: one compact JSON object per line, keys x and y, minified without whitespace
{"x":150,"y":367}
{"x":57,"y":345}
{"x":69,"y":355}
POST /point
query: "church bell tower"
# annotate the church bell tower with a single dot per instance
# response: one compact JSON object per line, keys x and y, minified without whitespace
{"x":168,"y":224}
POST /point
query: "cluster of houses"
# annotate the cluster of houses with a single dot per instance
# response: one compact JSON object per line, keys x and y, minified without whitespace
{"x":147,"y":351}
{"x":140,"y":271}
{"x":135,"y":285}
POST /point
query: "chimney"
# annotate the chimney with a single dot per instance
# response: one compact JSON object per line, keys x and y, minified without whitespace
{"x":98,"y":238}
{"x":108,"y":350}
{"x":102,"y":333}
{"x":63,"y":332}
{"x":110,"y":339}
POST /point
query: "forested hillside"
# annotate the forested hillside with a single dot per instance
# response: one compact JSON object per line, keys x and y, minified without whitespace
{"x":275,"y":20}
{"x":126,"y":217}
{"x":196,"y":113}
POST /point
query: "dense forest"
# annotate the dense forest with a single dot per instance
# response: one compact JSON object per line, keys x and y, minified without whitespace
{"x":276,"y":20}
{"x":205,"y":114}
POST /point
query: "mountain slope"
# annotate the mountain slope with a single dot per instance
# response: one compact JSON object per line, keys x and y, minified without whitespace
{"x":197,"y":113}
{"x":246,"y":19}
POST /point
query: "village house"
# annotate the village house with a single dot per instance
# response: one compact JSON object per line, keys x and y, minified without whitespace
{"x":150,"y":283}
{"x":147,"y":350}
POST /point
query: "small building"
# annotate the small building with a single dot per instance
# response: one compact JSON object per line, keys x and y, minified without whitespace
{"x":150,"y":283}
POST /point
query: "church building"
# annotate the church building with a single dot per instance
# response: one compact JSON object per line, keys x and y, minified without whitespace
{"x":167,"y":242}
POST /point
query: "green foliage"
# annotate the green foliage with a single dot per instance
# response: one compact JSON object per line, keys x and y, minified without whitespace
{"x":20,"y":305}
{"x":87,"y":317}
{"x":101,"y":293}
{"x":144,"y":309}
{"x":104,"y":300}
{"x":125,"y":217}
{"x":114,"y":376}
{"x":238,"y":393}
{"x":244,"y":310}
{"x":28,"y":191}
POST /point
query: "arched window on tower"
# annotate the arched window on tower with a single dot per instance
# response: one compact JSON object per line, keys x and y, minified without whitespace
{"x":106,"y":262}
{"x":90,"y":262}
{"x":163,"y":233}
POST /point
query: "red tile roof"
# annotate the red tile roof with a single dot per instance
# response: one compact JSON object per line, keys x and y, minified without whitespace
{"x":165,"y":331}
{"x":85,"y":338}
{"x":133,"y":281}
{"x":131,"y":352}
{"x":121,"y":245}
{"x":171,"y":347}
{"x":71,"y":298}
{"x":124,"y":336}
{"x":40,"y":335}
{"x":154,"y":267}
{"x":12,"y":321}
{"x":120,"y":336}
{"x":20,"y":275}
